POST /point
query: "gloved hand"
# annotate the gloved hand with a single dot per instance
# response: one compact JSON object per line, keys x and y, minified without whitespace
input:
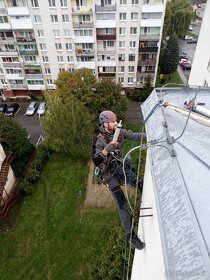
{"x":111,"y":147}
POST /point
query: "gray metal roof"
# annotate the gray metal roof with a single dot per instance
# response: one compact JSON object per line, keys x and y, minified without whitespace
{"x":181,"y":183}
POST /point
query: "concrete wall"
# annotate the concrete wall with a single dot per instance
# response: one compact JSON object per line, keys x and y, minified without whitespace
{"x":148,"y":264}
{"x":200,"y":73}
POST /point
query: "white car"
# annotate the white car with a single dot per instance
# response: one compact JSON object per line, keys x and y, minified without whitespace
{"x":190,"y":28}
{"x":31,"y":110}
{"x":188,"y":37}
{"x":42,"y":108}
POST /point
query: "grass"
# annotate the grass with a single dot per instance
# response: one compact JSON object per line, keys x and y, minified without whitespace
{"x":52,"y":236}
{"x":169,"y":78}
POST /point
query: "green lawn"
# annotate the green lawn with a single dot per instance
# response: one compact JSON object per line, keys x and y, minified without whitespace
{"x":172,"y":78}
{"x":52,"y":237}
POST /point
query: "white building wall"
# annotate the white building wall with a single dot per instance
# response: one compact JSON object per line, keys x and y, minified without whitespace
{"x":148,"y":263}
{"x":200,"y":72}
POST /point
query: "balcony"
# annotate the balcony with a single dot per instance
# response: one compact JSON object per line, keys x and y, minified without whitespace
{"x":149,"y":37}
{"x":19,"y":24}
{"x":148,"y":50}
{"x":18,"y":11}
{"x":104,"y":74}
{"x":32,"y":65}
{"x":28,"y":52}
{"x":18,"y":86}
{"x":104,"y":50}
{"x":36,"y":87}
{"x":34,"y":77}
{"x":147,"y":62}
{"x":106,"y":37}
{"x":12,"y":65}
{"x":15,"y":76}
{"x":145,"y":75}
{"x":3,"y":11}
{"x":84,"y":39}
{"x":85,"y":52}
{"x":81,"y":9}
{"x":5,"y":26}
{"x":109,"y":8}
{"x":83,"y":24}
{"x":25,"y":39}
{"x":8,"y":52}
{"x":86,"y":64}
{"x":7,"y":39}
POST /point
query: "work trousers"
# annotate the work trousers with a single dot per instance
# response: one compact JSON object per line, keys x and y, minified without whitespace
{"x":114,"y":186}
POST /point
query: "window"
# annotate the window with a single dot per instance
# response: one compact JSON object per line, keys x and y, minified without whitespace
{"x":60,"y":58}
{"x":122,"y":16}
{"x":130,"y":69}
{"x":123,"y":2}
{"x":54,"y":18}
{"x":61,"y":70}
{"x":70,"y":59}
{"x":132,"y":44}
{"x":83,"y":32}
{"x":34,"y":3}
{"x":51,"y":3}
{"x":121,"y":44}
{"x":69,"y":46}
{"x":122,"y":30}
{"x":121,"y":57}
{"x":47,"y":70}
{"x":121,"y":80}
{"x":40,"y":33}
{"x":3,"y":81}
{"x":63,"y":3}
{"x":130,"y":80}
{"x":108,"y":44}
{"x":134,"y":16}
{"x":84,"y":18}
{"x":37,"y":18}
{"x":135,"y":2}
{"x":3,"y":19}
{"x":43,"y":47}
{"x":67,"y":32}
{"x":45,"y":58}
{"x":106,"y":2}
{"x":58,"y":46}
{"x":1,"y":71}
{"x":56,"y":33}
{"x":50,"y":82}
{"x":121,"y":69}
{"x":66,"y":18}
{"x":133,"y":30}
{"x":131,"y":57}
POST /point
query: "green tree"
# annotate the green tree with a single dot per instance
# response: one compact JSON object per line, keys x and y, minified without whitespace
{"x":169,"y":59}
{"x":178,"y":16}
{"x":95,"y":95}
{"x":141,"y":94}
{"x":68,"y":126}
{"x":15,"y":140}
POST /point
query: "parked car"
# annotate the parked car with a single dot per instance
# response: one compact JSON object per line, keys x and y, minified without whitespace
{"x":188,"y":37}
{"x":183,"y":61}
{"x":193,"y":40}
{"x":3,"y":108}
{"x":31,"y":110}
{"x":12,"y":109}
{"x":190,"y":28}
{"x":42,"y":108}
{"x":187,"y":66}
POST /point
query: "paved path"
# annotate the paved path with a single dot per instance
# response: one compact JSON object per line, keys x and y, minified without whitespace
{"x":134,"y":115}
{"x":181,"y":75}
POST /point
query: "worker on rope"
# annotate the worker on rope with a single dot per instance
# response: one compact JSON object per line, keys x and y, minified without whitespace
{"x":107,"y":156}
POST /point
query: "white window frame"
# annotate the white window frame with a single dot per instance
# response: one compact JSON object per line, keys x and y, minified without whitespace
{"x":132,"y":44}
{"x":122,"y":30}
{"x":60,"y":59}
{"x":66,"y":18}
{"x":40,"y":33}
{"x":63,"y":3}
{"x":54,"y":18}
{"x":58,"y":46}
{"x":123,"y":16}
{"x":34,"y":3}
{"x":52,"y":3}
{"x":67,"y":33}
{"x":37,"y":19}
{"x":134,"y":16}
{"x":133,"y":30}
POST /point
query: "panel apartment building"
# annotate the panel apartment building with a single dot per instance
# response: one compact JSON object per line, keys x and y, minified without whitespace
{"x":116,"y":39}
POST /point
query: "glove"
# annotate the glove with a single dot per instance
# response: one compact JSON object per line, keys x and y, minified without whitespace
{"x":111,"y":147}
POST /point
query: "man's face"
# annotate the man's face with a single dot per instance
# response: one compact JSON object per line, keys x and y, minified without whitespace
{"x":111,"y":126}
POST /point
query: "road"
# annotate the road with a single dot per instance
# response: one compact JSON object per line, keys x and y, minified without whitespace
{"x":30,"y":123}
{"x":189,"y":49}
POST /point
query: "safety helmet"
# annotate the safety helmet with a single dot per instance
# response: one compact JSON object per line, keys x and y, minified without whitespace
{"x":107,"y":116}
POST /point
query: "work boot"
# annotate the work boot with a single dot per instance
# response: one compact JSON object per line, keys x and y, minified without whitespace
{"x":137,"y":243}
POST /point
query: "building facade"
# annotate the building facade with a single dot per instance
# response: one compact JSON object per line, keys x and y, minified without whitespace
{"x":117,"y":40}
{"x":200,"y":72}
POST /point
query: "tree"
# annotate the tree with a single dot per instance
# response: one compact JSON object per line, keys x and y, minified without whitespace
{"x":95,"y":95}
{"x":169,"y":59}
{"x":68,"y":126}
{"x":178,"y":16}
{"x":140,"y":95}
{"x":15,"y":140}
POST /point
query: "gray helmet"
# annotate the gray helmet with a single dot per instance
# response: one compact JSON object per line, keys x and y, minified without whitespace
{"x":107,"y":116}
